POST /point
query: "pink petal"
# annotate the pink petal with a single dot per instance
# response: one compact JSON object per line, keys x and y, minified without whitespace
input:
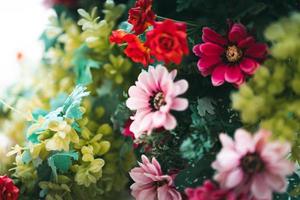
{"x":226,"y":141}
{"x":249,"y":66}
{"x":156,"y":164}
{"x":163,"y":193}
{"x":228,"y":159}
{"x":246,"y":42}
{"x":173,"y":74}
{"x":149,"y":194}
{"x":234,"y":178}
{"x":170,"y":122}
{"x":179,"y":104}
{"x":159,"y":119}
{"x":196,"y":50}
{"x":211,"y":49}
{"x":139,"y":178}
{"x":136,"y":103}
{"x":233,"y":74}
{"x":135,"y":91}
{"x":276,"y":182}
{"x":181,"y":87}
{"x":244,"y":142}
{"x":208,"y":61}
{"x":218,"y":74}
{"x":260,"y":189}
{"x":209,"y":35}
{"x":237,"y":33}
{"x":257,"y":50}
{"x":146,"y":123}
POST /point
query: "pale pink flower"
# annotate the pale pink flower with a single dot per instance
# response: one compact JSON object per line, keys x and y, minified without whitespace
{"x":151,"y":183}
{"x":252,"y":164}
{"x":153,"y":96}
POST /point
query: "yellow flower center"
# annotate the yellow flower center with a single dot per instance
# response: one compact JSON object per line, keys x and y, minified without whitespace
{"x":233,"y":53}
{"x":157,"y":101}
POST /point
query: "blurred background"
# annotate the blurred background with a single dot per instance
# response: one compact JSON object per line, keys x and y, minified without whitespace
{"x":22,"y":23}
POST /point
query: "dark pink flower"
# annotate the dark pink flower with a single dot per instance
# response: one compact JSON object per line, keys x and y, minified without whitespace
{"x":8,"y":191}
{"x":209,"y":191}
{"x":252,"y":164}
{"x":231,"y":58}
{"x":151,"y":183}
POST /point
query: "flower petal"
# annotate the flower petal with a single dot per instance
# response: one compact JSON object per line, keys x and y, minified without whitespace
{"x":237,"y":33}
{"x":233,"y":74}
{"x":249,"y":66}
{"x":245,"y":43}
{"x":234,"y":178}
{"x":181,"y":87}
{"x":159,"y":119}
{"x":180,"y":104}
{"x":244,"y":142}
{"x":260,"y":189}
{"x":170,"y":122}
{"x":257,"y":50}
{"x":211,"y":49}
{"x":218,"y":75}
{"x":208,"y":61}
{"x":209,"y":35}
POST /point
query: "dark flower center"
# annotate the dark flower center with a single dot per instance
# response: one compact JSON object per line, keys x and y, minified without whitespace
{"x":252,"y":163}
{"x":160,"y":183}
{"x":157,"y":100}
{"x":233,"y":53}
{"x":166,"y":42}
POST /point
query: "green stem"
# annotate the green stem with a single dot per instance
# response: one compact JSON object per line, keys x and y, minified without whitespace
{"x":15,"y":110}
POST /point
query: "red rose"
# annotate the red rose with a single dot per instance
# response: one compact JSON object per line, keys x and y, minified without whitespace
{"x":168,"y":41}
{"x":8,"y":190}
{"x":118,"y":37}
{"x":136,"y":50}
{"x":141,"y":16}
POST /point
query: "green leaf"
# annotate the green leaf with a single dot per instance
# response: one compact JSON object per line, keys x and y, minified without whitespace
{"x":26,"y":157}
{"x":61,"y":161}
{"x":205,"y":105}
{"x":83,"y":64}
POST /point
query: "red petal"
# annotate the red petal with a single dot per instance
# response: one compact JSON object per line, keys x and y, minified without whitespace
{"x":246,"y":42}
{"x":233,"y":74}
{"x":196,"y":50}
{"x":249,"y":66}
{"x":208,"y":61}
{"x":237,"y":33}
{"x":211,"y":49}
{"x":217,"y":76}
{"x":257,"y":50}
{"x":209,"y":35}
{"x":205,"y":71}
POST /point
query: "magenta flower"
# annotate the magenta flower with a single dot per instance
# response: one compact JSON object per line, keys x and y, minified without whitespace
{"x":229,"y":59}
{"x":252,"y":164}
{"x":209,"y":191}
{"x":151,"y":184}
{"x":153,"y":96}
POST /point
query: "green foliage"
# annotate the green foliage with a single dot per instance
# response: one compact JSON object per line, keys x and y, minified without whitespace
{"x":61,"y":161}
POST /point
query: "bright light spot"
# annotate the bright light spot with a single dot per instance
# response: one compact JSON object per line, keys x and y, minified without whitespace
{"x":22,"y":22}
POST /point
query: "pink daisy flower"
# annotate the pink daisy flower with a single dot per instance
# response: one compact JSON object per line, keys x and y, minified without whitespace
{"x":153,"y":96}
{"x":151,"y":183}
{"x":229,"y":59}
{"x":252,"y":164}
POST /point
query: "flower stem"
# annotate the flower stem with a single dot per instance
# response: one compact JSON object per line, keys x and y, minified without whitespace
{"x":164,"y":18}
{"x":27,"y":117}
